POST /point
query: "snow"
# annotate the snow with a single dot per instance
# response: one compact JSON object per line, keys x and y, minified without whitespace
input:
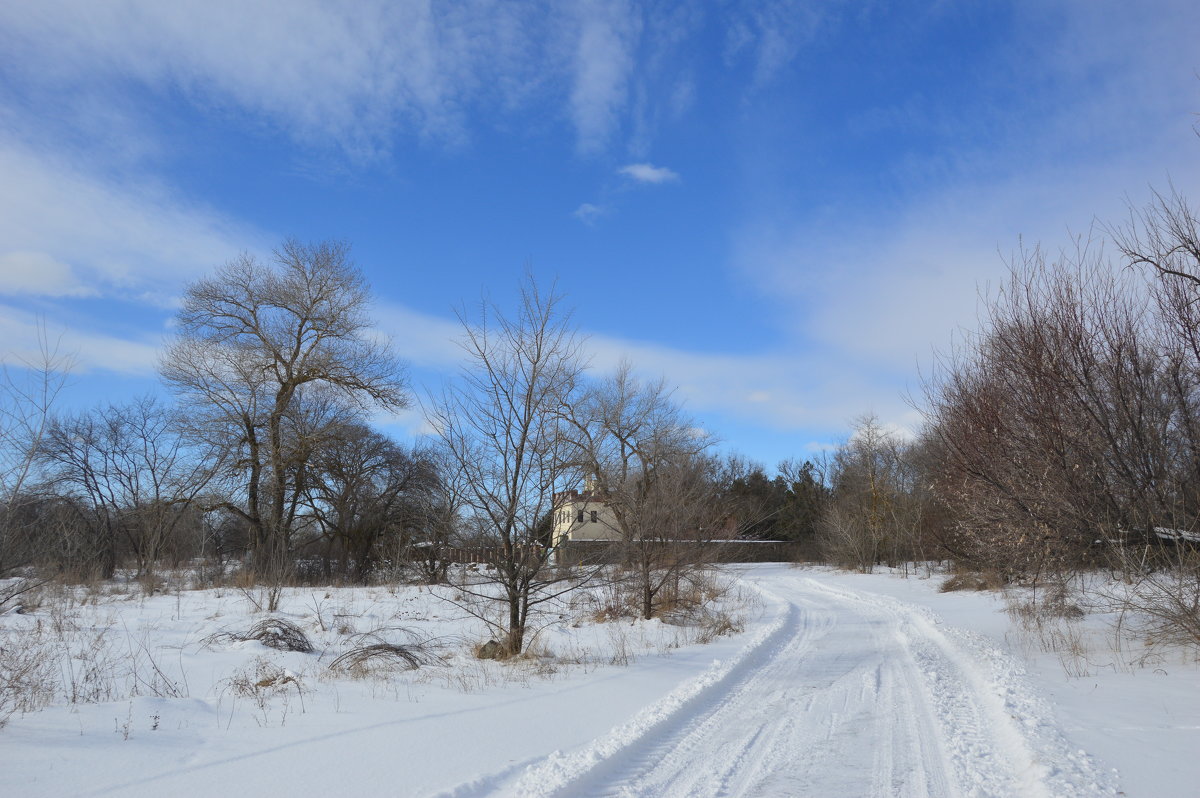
{"x":841,"y":684}
{"x":1141,"y":718}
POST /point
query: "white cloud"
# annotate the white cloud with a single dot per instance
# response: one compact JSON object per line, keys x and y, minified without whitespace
{"x":604,"y":60}
{"x":89,"y":350}
{"x":588,"y":213}
{"x":71,"y":233}
{"x":779,"y":389}
{"x":353,"y":75}
{"x":38,"y":274}
{"x":420,"y":338}
{"x":772,"y":32}
{"x":648,"y":173}
{"x":776,"y":389}
{"x":320,"y":71}
{"x":410,"y":422}
{"x":139,"y":239}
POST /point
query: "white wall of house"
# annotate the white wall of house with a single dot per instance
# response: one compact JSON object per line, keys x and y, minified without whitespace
{"x":583,"y":516}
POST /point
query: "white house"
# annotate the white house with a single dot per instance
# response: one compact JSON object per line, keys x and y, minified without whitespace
{"x":583,"y":515}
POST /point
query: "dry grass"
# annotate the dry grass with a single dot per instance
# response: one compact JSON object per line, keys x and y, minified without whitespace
{"x":1049,"y":620}
{"x":269,"y":687}
{"x":1160,"y":601}
{"x":715,"y":623}
{"x":10,"y":593}
{"x":378,"y":657}
{"x":973,"y":580}
{"x":271,"y":632}
{"x":29,"y":680}
{"x":55,"y":657}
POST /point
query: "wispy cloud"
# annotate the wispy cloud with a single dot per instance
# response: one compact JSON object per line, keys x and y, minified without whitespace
{"x":878,"y":286}
{"x":787,"y":391}
{"x":604,"y":61}
{"x":772,"y":32}
{"x":320,"y":71}
{"x":355,"y":76}
{"x":92,"y":236}
{"x":778,"y":389}
{"x":648,"y":173}
{"x":588,"y":213}
{"x":38,"y":274}
{"x":361,"y":77}
{"x":89,"y":349}
{"x":73,"y":241}
{"x":422,"y":339}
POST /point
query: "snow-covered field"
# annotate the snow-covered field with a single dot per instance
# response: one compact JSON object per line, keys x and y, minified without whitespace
{"x":839,"y":685}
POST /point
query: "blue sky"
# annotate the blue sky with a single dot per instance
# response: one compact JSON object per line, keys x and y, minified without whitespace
{"x":785,"y":208}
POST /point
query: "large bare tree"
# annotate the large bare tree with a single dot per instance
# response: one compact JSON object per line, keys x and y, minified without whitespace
{"x":253,"y":340}
{"x":502,"y":433}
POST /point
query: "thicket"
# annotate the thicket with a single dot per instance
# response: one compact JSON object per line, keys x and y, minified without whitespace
{"x":1063,"y":436}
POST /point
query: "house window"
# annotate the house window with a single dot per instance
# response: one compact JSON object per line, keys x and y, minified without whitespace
{"x":579,"y":518}
{"x":594,"y":516}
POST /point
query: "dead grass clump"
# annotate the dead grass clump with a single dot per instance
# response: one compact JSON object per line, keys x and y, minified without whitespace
{"x":973,"y":580}
{"x":262,"y":679}
{"x":607,"y":600}
{"x":263,"y":682}
{"x":271,"y":632}
{"x":607,"y":613}
{"x":492,"y":649}
{"x":280,"y":634}
{"x":1162,"y":605}
{"x":380,"y":657}
{"x":1055,"y":602}
{"x":714,"y":624}
{"x":29,"y":673}
{"x":1049,"y":620}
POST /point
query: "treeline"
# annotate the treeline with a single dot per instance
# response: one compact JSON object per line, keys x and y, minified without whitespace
{"x":261,"y":459}
{"x":265,"y":458}
{"x":1065,"y":429}
{"x":1063,"y":435}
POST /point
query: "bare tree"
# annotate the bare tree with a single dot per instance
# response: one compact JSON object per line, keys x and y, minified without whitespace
{"x":135,"y":475}
{"x":1163,"y":599}
{"x":873,"y":513}
{"x":28,"y":392}
{"x":682,"y":518}
{"x":367,"y":492}
{"x":1060,"y":426}
{"x":252,"y":340}
{"x":439,"y":520}
{"x":643,"y":458}
{"x":503,"y":436}
{"x":1164,"y":237}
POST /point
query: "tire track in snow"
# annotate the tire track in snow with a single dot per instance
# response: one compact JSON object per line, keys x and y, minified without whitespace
{"x":1001,"y":735}
{"x":561,"y":773}
{"x":844,"y":693}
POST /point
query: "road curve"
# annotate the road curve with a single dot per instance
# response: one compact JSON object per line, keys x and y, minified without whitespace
{"x":842,"y":694}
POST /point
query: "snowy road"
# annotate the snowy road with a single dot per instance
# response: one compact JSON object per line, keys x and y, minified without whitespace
{"x":844,"y":694}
